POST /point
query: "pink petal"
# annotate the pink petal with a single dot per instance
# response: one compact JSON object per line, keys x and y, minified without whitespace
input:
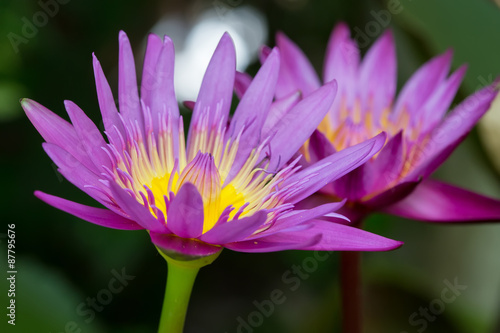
{"x":180,"y":247}
{"x":378,"y":74}
{"x":265,"y":245}
{"x":296,"y":72}
{"x":336,"y":237}
{"x":422,"y":84}
{"x":342,"y":56}
{"x":436,"y":106}
{"x":297,"y":217}
{"x":386,"y":167}
{"x":446,"y":137}
{"x":334,"y":167}
{"x":319,"y":147}
{"x":342,"y":64}
{"x":392,"y":195}
{"x":435,"y":201}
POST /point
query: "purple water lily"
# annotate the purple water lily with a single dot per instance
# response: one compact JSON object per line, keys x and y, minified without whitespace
{"x":232,"y":185}
{"x":420,"y":133}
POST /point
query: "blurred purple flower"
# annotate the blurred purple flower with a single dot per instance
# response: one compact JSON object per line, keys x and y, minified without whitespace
{"x":231,"y":185}
{"x":420,"y":133}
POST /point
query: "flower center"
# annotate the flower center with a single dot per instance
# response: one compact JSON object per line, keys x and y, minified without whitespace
{"x":153,"y":170}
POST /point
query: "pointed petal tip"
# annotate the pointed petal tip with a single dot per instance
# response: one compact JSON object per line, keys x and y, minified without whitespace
{"x":167,"y":40}
{"x":226,"y":39}
{"x":69,"y":104}
{"x":341,"y":32}
{"x":280,"y":35}
{"x":122,"y":36}
{"x":274,"y":53}
{"x":395,"y":246}
{"x":446,"y":57}
{"x":265,"y":50}
{"x":27,"y":104}
{"x":153,"y":37}
{"x":341,"y":26}
{"x":283,"y":41}
{"x":328,"y":90}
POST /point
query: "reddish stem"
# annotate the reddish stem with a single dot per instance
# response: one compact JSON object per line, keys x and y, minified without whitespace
{"x":350,"y":278}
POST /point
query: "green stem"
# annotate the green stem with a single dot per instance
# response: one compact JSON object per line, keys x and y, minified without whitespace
{"x":180,"y":281}
{"x":182,"y":271}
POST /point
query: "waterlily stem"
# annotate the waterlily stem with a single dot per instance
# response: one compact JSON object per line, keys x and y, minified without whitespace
{"x":350,"y":266}
{"x":180,"y":282}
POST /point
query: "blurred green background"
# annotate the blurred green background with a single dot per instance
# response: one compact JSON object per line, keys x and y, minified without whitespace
{"x":63,"y":262}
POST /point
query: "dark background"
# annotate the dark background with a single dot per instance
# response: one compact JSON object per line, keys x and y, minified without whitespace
{"x":62,"y":261}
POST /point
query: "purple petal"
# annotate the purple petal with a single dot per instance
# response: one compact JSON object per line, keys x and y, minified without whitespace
{"x":264,"y":53}
{"x":241,"y":83}
{"x":377,"y":74}
{"x":189,"y":105}
{"x":297,"y":217}
{"x":89,"y":136}
{"x":435,"y":201}
{"x":150,"y":81}
{"x":386,"y":167}
{"x":422,"y":84}
{"x":342,"y":64}
{"x":278,"y":110}
{"x":128,"y":96}
{"x":216,"y":88}
{"x":392,"y":195}
{"x":77,"y":174}
{"x":299,"y":123}
{"x":334,"y":167}
{"x":375,"y":175}
{"x":252,"y":110}
{"x":342,"y":55}
{"x":265,"y":245}
{"x":56,"y":130}
{"x":319,"y":147}
{"x":321,"y":236}
{"x":339,"y":237}
{"x":159,"y":90}
{"x":254,"y":105}
{"x":445,"y":138}
{"x":112,"y":122}
{"x":99,"y":216}
{"x":137,"y":212}
{"x":234,"y":230}
{"x":185,"y":213}
{"x":182,"y":246}
{"x":296,"y":72}
{"x":436,"y":106}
